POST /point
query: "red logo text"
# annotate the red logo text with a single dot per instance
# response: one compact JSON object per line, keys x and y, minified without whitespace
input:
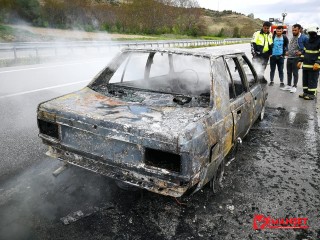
{"x":261,"y":222}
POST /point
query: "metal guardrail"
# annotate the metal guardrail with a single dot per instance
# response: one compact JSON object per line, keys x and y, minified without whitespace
{"x":36,"y":47}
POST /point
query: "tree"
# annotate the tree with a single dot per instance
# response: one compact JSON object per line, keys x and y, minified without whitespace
{"x":236,"y":32}
{"x":221,"y":33}
{"x":181,"y":3}
{"x":54,"y":13}
{"x":251,"y":15}
{"x":27,"y":10}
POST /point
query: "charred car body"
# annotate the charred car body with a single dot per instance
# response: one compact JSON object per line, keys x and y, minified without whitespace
{"x":160,"y":119}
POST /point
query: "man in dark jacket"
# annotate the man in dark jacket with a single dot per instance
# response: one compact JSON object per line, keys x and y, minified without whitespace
{"x":261,"y":48}
{"x":280,"y":46}
{"x":295,"y":49}
{"x":310,"y":60}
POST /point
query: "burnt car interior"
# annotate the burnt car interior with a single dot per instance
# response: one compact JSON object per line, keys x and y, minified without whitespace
{"x":184,"y":76}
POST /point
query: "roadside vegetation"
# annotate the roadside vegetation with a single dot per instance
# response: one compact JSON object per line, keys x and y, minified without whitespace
{"x":164,"y":19}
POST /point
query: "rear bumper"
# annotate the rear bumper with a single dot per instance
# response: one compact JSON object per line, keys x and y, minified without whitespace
{"x":139,"y":175}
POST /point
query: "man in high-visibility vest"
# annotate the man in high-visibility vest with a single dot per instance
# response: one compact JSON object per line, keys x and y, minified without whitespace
{"x":310,"y":62}
{"x":261,"y":48}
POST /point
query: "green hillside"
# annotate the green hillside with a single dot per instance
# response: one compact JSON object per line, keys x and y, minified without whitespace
{"x":156,"y":18}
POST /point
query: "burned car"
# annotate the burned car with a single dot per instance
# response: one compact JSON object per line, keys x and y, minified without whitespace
{"x":159,"y":119}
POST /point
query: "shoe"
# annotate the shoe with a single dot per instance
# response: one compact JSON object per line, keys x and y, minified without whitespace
{"x":309,"y":97}
{"x":282,"y":84}
{"x":271,"y":83}
{"x":293,"y":90}
{"x":302,"y":95}
{"x":286,"y":88}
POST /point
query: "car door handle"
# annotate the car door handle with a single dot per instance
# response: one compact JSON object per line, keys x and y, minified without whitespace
{"x":239,"y":112}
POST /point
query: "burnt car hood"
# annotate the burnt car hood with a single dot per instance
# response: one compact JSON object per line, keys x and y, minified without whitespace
{"x":160,"y":119}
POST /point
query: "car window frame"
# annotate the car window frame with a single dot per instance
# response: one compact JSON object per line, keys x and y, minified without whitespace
{"x":255,"y":75}
{"x":230,"y":78}
{"x":241,"y":73}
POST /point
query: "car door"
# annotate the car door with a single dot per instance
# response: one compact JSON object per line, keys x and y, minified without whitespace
{"x":254,"y":86}
{"x":241,"y":105}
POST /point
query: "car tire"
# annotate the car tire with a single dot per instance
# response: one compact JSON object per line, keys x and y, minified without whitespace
{"x":215,"y":182}
{"x":261,"y":115}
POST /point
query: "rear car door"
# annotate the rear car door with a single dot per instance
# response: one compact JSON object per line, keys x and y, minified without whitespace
{"x":242,"y":104}
{"x":254,"y":85}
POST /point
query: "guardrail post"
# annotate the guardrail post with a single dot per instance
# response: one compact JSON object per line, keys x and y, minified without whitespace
{"x":37,"y":53}
{"x":15,"y":53}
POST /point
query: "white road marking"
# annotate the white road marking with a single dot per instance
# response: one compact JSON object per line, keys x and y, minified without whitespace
{"x":50,"y":66}
{"x":42,"y":89}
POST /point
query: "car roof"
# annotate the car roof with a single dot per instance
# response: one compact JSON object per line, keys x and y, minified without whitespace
{"x":203,"y":52}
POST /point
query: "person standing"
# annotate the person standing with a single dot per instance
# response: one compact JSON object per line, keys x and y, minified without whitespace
{"x":279,"y":49}
{"x":296,"y":46}
{"x":310,"y":60}
{"x":261,"y":46}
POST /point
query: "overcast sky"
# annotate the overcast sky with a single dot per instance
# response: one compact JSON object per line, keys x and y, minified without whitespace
{"x":305,"y":12}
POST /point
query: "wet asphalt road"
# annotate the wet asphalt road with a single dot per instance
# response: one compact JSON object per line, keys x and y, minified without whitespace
{"x":276,"y":173}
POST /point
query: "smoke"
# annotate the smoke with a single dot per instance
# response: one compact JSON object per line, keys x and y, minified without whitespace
{"x":36,"y":199}
{"x":259,"y":68}
{"x":40,"y":45}
{"x":33,"y":199}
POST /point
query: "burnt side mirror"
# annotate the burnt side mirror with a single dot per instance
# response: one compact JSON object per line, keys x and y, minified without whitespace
{"x":263,"y":80}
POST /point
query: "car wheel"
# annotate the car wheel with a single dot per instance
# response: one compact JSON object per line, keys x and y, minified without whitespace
{"x":261,"y":115}
{"x":215,"y":182}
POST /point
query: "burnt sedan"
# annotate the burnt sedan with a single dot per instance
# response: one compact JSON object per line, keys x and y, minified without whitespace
{"x":159,"y":119}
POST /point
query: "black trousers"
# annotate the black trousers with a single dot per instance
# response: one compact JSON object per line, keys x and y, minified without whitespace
{"x":310,"y":81}
{"x":292,"y":69}
{"x":276,"y":61}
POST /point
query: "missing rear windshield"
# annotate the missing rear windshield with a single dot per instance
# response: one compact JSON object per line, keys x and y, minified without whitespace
{"x":177,"y":74}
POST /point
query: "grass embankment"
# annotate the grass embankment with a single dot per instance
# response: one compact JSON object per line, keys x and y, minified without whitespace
{"x":11,"y":34}
{"x":19,"y":33}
